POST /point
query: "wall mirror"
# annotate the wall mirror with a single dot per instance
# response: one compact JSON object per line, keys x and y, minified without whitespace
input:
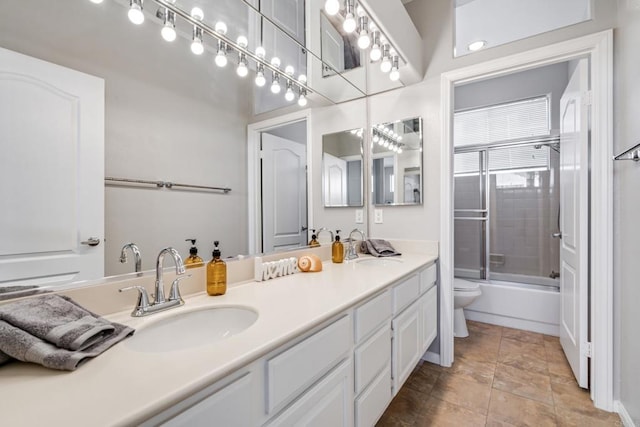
{"x":482,"y":24}
{"x":396,"y":173}
{"x":342,"y":169}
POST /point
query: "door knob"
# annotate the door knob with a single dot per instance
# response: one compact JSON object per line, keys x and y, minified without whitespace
{"x":304,"y":228}
{"x":557,"y":235}
{"x":91,"y":241}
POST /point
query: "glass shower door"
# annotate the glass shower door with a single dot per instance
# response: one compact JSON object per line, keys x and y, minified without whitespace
{"x":470,"y":215}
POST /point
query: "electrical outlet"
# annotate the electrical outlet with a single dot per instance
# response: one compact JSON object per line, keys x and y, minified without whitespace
{"x":359,"y":216}
{"x":377,"y":216}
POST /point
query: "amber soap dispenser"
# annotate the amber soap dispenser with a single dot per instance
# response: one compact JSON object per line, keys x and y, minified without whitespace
{"x":216,"y":273}
{"x":194,"y":260}
{"x":337,"y":249}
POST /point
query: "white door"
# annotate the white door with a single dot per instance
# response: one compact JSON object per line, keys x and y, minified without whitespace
{"x":335,"y":180}
{"x":574,"y":208}
{"x":51,"y":172}
{"x":332,"y":47}
{"x":284,"y":193}
{"x":288,"y":15}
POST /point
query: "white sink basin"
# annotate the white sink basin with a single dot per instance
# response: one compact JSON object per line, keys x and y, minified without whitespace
{"x":385,"y":261}
{"x":191,"y":329}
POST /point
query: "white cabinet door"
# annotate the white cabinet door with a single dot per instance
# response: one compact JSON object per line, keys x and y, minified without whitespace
{"x":428,"y":318}
{"x":406,"y":345}
{"x":51,"y":172}
{"x":328,"y":403}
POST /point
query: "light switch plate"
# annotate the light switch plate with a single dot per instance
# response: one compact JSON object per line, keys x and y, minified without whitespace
{"x":377,"y":216}
{"x":359,"y":216}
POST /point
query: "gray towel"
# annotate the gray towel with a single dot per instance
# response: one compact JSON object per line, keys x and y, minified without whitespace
{"x":378,"y":247}
{"x":58,"y":320}
{"x":23,"y":346}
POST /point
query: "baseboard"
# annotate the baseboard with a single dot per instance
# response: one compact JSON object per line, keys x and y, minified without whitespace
{"x":627,"y":421}
{"x":512,"y":322}
{"x":431,"y":357}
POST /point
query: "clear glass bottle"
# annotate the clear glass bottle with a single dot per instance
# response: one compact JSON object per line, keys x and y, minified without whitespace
{"x":193,"y":260}
{"x":216,"y":274}
{"x":337,"y":249}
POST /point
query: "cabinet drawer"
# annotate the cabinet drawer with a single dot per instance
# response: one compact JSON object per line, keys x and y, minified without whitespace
{"x":369,"y":316}
{"x":429,"y":317}
{"x":373,"y":402}
{"x":328,"y":403}
{"x":291,"y":372}
{"x":428,"y":278}
{"x":372,"y":356}
{"x":405,"y":293}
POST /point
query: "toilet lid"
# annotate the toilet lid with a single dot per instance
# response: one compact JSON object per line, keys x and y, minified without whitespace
{"x":464,"y":285}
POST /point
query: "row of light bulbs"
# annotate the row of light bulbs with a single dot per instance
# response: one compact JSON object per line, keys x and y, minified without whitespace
{"x":369,"y":35}
{"x":169,"y":34}
{"x":387,"y":138}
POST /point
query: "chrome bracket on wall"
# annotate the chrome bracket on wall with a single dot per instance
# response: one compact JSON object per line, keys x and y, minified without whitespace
{"x":632,"y":153}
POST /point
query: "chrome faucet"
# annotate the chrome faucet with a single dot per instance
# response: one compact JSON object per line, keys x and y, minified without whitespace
{"x":143,"y":306}
{"x":351,"y":250}
{"x":320,"y":230}
{"x":136,"y":253}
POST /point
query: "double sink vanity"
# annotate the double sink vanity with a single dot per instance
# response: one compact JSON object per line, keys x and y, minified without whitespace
{"x":327,"y":348}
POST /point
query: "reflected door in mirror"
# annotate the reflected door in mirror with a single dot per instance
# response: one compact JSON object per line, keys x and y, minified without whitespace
{"x":342,"y":168}
{"x":51,"y":172}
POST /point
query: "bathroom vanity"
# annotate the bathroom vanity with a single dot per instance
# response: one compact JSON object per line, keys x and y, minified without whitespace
{"x":331,"y":348}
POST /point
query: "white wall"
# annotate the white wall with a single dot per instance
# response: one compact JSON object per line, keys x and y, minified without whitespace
{"x":627,"y":205}
{"x":169,"y":115}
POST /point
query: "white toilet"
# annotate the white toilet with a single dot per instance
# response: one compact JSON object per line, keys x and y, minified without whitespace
{"x":464,"y":293}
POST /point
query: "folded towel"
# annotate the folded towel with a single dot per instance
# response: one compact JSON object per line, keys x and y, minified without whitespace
{"x":58,"y":320}
{"x":378,"y":247}
{"x":23,"y":346}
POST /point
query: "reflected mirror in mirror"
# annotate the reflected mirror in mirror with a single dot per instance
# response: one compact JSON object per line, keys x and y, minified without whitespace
{"x":397,"y":162}
{"x":342,"y":169}
{"x":481,"y":24}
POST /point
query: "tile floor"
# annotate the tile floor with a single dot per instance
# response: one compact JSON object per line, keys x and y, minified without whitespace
{"x":501,"y":377}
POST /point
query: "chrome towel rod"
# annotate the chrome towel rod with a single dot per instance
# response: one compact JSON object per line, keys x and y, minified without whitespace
{"x":165,"y":184}
{"x":632,"y":153}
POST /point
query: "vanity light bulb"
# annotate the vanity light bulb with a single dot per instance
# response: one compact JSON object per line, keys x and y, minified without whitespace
{"x":135,"y":12}
{"x":376,"y":138}
{"x":399,"y":138}
{"x":96,"y":1}
{"x":242,"y":41}
{"x":221,"y":58}
{"x":168,"y":32}
{"x":332,"y":7}
{"x":394,"y":75}
{"x":399,"y":150}
{"x":221,"y":27}
{"x":260,"y":52}
{"x":197,"y":47}
{"x":302,"y":100}
{"x":364,"y":40}
{"x":381,"y":142}
{"x":260,"y":80}
{"x":385,"y":65}
{"x":386,"y":143}
{"x":375,"y":53}
{"x":349,"y":25}
{"x":289,"y":95}
{"x":275,"y":87}
{"x":242,"y":69}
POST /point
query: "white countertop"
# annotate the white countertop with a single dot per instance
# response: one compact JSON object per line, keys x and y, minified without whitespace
{"x":125,"y":387}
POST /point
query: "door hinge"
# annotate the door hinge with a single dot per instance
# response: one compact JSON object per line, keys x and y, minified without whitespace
{"x":588,"y":350}
{"x":586,"y":98}
{"x":262,"y":154}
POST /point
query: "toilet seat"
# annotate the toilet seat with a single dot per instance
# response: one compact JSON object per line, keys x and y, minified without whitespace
{"x":461,"y":285}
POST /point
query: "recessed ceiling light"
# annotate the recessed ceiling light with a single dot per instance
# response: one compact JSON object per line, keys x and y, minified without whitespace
{"x":477,"y":45}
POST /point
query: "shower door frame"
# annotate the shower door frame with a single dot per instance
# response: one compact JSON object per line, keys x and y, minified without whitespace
{"x":486,"y":191}
{"x":598,"y":47}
